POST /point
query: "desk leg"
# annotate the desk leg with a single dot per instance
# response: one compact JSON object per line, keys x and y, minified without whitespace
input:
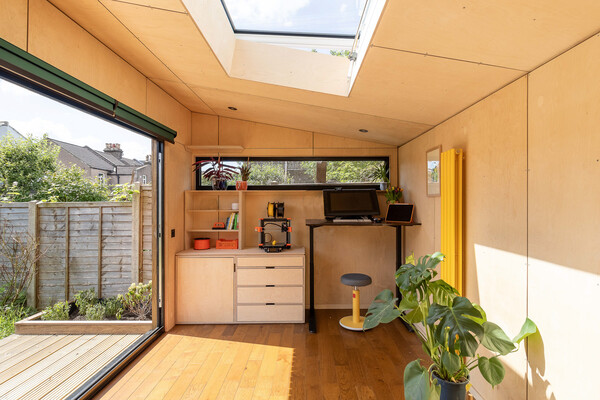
{"x":399,"y":262}
{"x":312,"y":320}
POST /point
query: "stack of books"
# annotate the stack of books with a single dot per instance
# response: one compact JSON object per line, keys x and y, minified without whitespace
{"x":232,"y":222}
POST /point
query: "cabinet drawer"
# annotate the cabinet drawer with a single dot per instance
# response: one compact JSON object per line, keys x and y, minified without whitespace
{"x":271,"y":313}
{"x":270,"y":294}
{"x":273,"y":261}
{"x":270,"y":276}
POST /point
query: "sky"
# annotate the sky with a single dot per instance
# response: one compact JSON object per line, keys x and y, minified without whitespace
{"x":312,"y":16}
{"x":32,"y":113}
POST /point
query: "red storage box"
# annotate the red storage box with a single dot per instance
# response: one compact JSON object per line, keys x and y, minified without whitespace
{"x":227,"y":244}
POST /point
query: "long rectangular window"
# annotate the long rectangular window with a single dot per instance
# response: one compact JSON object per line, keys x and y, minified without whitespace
{"x":308,"y":173}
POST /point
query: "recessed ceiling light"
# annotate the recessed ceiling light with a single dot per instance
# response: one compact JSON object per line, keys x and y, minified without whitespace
{"x":363,"y":130}
{"x":232,"y":108}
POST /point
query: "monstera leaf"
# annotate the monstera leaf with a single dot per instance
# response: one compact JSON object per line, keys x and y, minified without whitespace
{"x":442,"y":292}
{"x":455,"y":326}
{"x":495,"y":339}
{"x":528,"y":329}
{"x":417,"y":385}
{"x":382,"y":310}
{"x":409,"y":277}
{"x":491,"y":369}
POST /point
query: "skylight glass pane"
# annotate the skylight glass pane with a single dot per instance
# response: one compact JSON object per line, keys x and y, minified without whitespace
{"x":312,"y":17}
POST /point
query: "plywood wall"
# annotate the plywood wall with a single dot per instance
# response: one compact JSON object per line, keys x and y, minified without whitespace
{"x":336,"y":251}
{"x":493,"y":135}
{"x":532,"y":198}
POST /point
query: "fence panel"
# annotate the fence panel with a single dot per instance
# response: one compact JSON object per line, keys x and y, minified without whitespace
{"x":85,"y":245}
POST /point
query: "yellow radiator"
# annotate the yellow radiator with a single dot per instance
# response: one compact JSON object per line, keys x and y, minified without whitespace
{"x":451,"y":180}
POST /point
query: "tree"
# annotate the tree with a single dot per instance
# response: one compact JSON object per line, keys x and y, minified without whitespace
{"x":25,"y":165}
{"x":71,"y":184}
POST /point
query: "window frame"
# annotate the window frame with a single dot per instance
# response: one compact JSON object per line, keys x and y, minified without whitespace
{"x":301,"y":186}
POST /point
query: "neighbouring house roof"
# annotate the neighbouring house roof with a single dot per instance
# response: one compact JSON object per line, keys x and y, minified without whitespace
{"x":7,"y":130}
{"x":87,"y":155}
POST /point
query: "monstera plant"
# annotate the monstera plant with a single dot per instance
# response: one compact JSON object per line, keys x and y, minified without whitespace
{"x":453,"y":328}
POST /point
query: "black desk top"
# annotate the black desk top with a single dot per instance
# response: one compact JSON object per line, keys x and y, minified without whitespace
{"x":324,"y":222}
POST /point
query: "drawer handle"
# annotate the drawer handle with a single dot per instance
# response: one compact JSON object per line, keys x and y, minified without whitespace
{"x":270,"y":285}
{"x":270,"y":267}
{"x":270,"y":304}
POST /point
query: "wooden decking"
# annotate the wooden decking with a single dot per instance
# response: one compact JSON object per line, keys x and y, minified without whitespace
{"x":53,"y":366}
{"x":271,"y":362}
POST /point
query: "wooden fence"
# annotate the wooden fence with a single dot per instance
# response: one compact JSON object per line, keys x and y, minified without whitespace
{"x":101,"y":245}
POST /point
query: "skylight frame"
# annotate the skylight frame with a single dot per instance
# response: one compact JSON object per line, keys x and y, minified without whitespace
{"x":282,"y":34}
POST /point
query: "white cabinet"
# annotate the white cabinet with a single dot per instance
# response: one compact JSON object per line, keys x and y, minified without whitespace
{"x":204,"y":290}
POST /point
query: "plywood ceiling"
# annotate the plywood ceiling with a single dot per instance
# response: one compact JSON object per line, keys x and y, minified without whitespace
{"x":428,"y":60}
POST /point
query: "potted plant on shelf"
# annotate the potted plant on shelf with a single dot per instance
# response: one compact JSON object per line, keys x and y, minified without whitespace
{"x":453,"y":329}
{"x":393,"y":194}
{"x":244,"y":175}
{"x":381,"y":175}
{"x":218,"y":173}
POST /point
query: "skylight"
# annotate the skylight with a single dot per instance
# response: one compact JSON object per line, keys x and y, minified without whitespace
{"x":312,"y":18}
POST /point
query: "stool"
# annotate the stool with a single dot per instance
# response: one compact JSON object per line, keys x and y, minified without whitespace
{"x":354,"y":322}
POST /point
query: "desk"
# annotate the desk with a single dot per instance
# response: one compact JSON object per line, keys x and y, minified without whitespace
{"x":315,"y":223}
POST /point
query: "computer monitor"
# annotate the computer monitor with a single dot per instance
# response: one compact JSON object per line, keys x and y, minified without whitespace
{"x":350,"y":203}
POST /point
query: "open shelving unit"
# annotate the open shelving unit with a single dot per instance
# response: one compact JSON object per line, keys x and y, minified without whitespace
{"x":203,"y":208}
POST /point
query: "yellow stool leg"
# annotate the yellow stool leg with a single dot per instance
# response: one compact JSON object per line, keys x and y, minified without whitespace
{"x":356,"y":306}
{"x":354,"y":322}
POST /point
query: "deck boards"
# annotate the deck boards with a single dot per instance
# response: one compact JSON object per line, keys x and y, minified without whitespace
{"x":277,"y":361}
{"x":53,"y":366}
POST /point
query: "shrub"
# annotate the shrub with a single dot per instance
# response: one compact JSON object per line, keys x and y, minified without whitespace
{"x":95,"y":312}
{"x":85,"y":299}
{"x":123,"y":192}
{"x":9,"y":315}
{"x":72,"y":184}
{"x":138,"y":300}
{"x":19,"y":253}
{"x":57,"y":312}
{"x":114,"y":307}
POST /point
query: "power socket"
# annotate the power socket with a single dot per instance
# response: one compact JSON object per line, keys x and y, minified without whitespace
{"x":172,"y":233}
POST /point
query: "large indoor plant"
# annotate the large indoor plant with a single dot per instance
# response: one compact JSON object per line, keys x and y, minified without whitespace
{"x":450,"y":328}
{"x":217,"y":172}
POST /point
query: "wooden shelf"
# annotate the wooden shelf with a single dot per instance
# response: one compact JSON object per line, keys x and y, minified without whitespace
{"x":212,"y":230}
{"x":211,"y":211}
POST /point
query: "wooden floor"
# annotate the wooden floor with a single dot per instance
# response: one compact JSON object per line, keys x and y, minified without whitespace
{"x":281,"y":361}
{"x":53,"y":366}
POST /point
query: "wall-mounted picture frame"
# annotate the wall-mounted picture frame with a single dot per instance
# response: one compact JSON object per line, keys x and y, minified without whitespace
{"x":433,"y":171}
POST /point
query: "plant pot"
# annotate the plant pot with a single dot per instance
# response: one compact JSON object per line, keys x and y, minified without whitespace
{"x":241,"y":185}
{"x":383,"y":186}
{"x":219,"y":185}
{"x":452,"y":390}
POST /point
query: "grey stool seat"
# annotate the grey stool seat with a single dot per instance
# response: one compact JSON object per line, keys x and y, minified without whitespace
{"x":355,"y":279}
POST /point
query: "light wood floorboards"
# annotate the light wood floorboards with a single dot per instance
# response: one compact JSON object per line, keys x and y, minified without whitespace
{"x":280,"y":361}
{"x":53,"y":366}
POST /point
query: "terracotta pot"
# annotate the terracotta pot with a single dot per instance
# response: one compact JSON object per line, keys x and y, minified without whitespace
{"x":241,"y":185}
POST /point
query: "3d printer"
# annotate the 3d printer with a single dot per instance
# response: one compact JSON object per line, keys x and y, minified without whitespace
{"x":275,"y":231}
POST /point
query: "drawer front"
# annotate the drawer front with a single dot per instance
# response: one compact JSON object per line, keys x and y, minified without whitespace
{"x":289,"y":295}
{"x":270,"y":276}
{"x":270,"y":313}
{"x":273,"y":261}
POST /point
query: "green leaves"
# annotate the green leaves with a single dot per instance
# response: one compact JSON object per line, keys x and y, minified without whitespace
{"x":491,"y":369}
{"x":417,"y":384}
{"x":442,"y":292}
{"x":450,"y":362}
{"x":528,"y":329}
{"x":411,"y":277}
{"x":382,"y":310}
{"x":455,"y":326}
{"x":495,"y":339}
